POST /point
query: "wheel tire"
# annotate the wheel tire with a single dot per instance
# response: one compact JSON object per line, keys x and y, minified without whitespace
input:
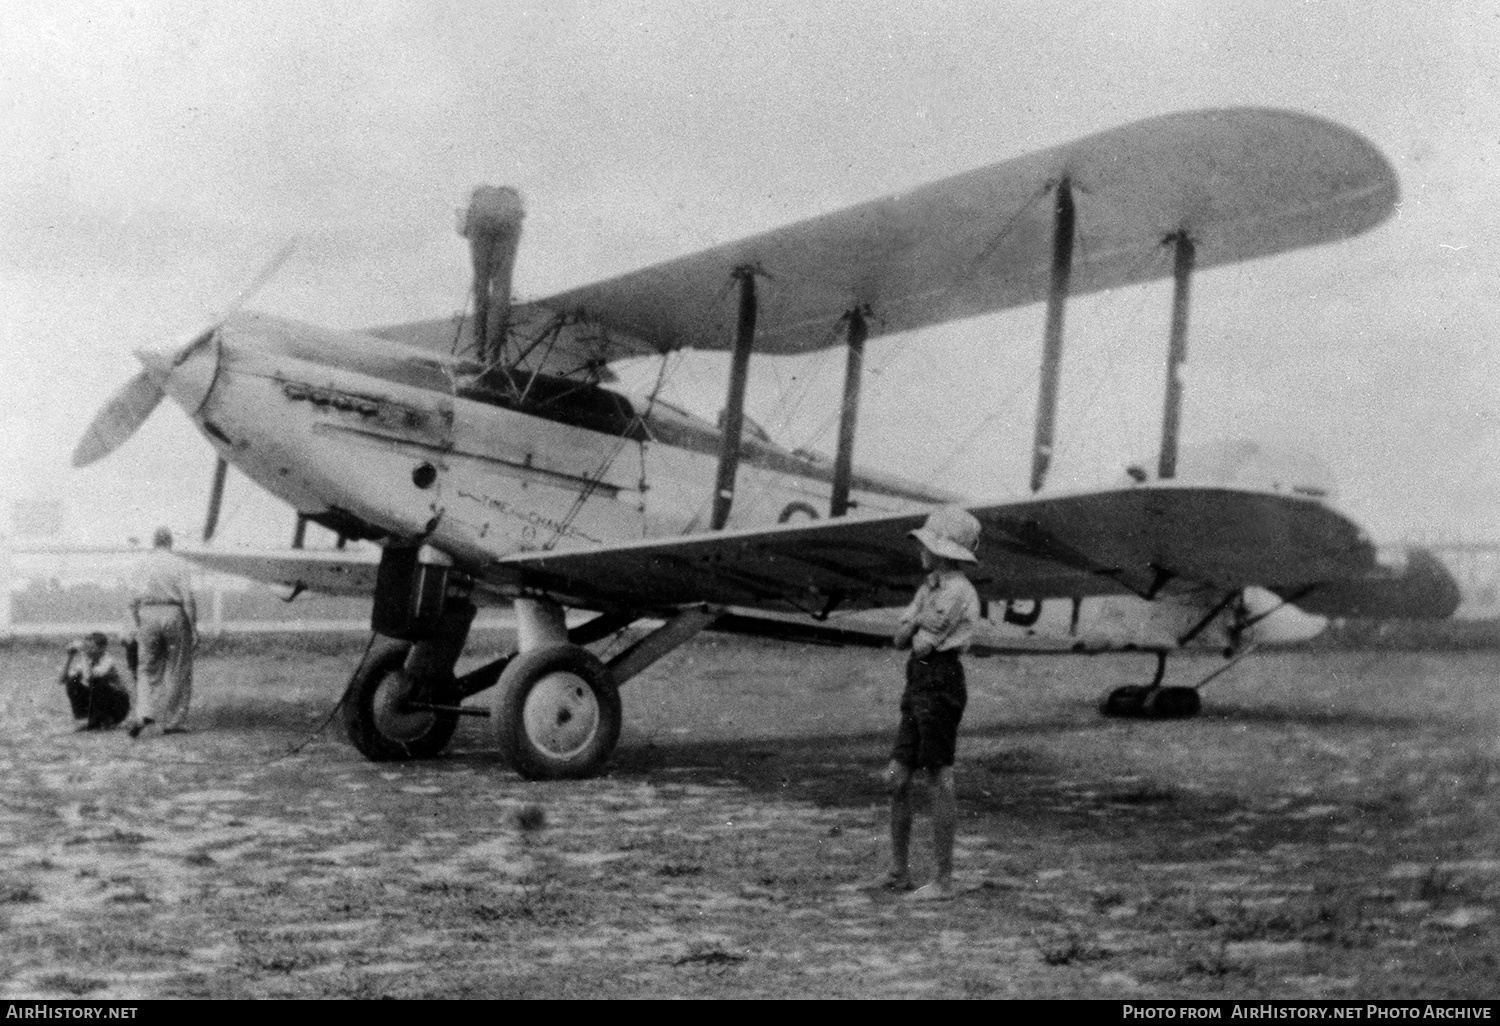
{"x":1175,"y":703}
{"x":1125,"y":701}
{"x":556,"y":713}
{"x":374,"y":720}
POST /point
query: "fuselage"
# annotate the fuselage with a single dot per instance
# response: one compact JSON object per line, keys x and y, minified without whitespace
{"x":379,"y":439}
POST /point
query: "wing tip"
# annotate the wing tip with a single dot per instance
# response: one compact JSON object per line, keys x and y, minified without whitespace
{"x":87,"y":452}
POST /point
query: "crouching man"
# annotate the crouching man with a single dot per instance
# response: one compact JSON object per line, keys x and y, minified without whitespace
{"x":95,"y":686}
{"x":938,"y":626}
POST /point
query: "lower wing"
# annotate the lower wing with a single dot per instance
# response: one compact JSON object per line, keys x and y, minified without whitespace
{"x":1148,"y":540}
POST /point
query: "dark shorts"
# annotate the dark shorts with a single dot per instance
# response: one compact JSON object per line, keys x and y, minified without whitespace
{"x":104,"y":705}
{"x":931,"y":707}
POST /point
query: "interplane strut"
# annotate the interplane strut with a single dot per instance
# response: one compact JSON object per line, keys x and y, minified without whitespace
{"x":843,"y":467}
{"x":734,"y":404}
{"x":1182,"y":271}
{"x":1064,"y":216}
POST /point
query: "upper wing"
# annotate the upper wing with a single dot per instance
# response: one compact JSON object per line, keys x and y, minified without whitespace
{"x":1134,"y":540}
{"x":1241,"y":183}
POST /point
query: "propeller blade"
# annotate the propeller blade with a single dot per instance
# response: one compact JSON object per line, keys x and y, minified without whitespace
{"x":215,"y":499}
{"x":266,"y":274}
{"x":126,"y":410}
{"x":129,"y":407}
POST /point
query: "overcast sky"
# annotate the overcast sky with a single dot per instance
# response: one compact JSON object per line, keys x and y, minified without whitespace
{"x":157,"y":153}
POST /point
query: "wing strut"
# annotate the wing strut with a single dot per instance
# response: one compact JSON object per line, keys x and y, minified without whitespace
{"x":843,"y":466}
{"x":734,"y":403}
{"x":1182,"y":272}
{"x":215,"y":499}
{"x":1057,"y":299}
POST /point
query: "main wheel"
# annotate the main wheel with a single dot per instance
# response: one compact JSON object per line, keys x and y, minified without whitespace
{"x":1176,"y":703}
{"x":1126,"y":700}
{"x":556,"y":713}
{"x":376,"y":717}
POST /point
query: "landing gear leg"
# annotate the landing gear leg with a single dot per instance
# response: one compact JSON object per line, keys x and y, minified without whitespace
{"x":556,"y":708}
{"x":1152,"y":701}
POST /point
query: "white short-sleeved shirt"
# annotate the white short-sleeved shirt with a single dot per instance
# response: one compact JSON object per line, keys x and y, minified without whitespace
{"x":945,"y":610}
{"x":161,"y":578}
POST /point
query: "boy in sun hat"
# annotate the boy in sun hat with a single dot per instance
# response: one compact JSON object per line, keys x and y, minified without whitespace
{"x":937,"y":627}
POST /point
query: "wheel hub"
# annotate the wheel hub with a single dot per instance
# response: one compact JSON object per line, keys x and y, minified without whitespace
{"x":392,"y":717}
{"x":561,"y":714}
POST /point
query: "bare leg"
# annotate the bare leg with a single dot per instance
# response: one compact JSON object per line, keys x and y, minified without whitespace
{"x":944,"y":823}
{"x":898,"y":777}
{"x":944,"y":826}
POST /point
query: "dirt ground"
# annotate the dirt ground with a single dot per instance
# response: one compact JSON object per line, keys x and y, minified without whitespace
{"x":1328,"y":828}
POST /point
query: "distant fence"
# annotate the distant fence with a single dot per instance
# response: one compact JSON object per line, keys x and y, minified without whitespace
{"x":55,"y":590}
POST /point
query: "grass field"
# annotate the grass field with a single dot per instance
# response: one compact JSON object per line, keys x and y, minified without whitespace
{"x":1326,"y":829}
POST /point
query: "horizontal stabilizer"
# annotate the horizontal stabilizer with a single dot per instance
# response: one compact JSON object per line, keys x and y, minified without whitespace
{"x":1415,"y":585}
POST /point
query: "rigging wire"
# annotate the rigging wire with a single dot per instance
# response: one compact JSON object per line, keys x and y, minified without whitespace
{"x":902,"y":345}
{"x":1000,"y":408}
{"x":1113,"y":357}
{"x":1114,"y":354}
{"x":791,"y":406}
{"x":638,"y":420}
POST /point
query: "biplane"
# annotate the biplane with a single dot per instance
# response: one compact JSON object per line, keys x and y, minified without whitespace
{"x":494,"y":461}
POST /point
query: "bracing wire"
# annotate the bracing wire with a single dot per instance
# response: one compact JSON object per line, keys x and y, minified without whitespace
{"x":639,"y":420}
{"x":1112,"y":358}
{"x":1000,"y":408}
{"x":791,"y":405}
{"x":592,"y":482}
{"x":1091,"y":398}
{"x":902,"y":346}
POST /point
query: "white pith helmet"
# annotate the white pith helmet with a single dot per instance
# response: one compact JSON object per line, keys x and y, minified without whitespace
{"x":950,"y":532}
